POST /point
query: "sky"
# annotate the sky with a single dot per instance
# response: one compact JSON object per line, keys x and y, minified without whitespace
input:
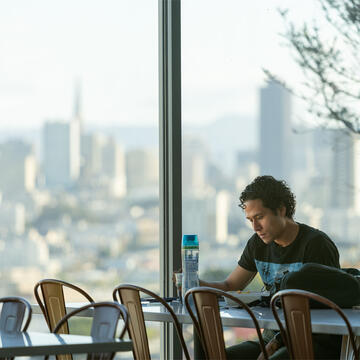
{"x":111,"y":48}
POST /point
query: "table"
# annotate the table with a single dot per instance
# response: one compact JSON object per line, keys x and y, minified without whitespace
{"x":325,"y":321}
{"x":36,"y":344}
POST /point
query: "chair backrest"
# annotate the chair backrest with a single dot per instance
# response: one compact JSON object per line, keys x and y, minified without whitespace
{"x":129,"y":295}
{"x":297,"y":335}
{"x":105,"y":320}
{"x":207,"y":320}
{"x":52,"y":301}
{"x":13,"y":314}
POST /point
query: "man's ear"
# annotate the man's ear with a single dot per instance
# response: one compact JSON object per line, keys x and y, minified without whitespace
{"x":282,"y":210}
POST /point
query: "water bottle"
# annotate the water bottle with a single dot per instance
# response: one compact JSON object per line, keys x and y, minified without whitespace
{"x":190,"y":262}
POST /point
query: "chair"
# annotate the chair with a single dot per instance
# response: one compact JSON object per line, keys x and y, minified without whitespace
{"x":52,"y":301}
{"x":208,"y":323}
{"x":129,"y":295}
{"x":13,"y":314}
{"x":105,"y":320}
{"x":298,"y":333}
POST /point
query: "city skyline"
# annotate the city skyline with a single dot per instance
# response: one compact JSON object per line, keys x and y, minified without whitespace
{"x":81,"y":199}
{"x":109,"y":211}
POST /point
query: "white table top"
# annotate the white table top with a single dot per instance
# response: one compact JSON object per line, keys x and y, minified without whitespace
{"x":34,"y":343}
{"x":324,"y":321}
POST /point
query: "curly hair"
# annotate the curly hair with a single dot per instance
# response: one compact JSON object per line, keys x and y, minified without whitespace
{"x":273,"y":193}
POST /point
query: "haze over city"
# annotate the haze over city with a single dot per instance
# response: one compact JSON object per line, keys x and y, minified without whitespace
{"x":45,"y":51}
{"x":79,"y":139}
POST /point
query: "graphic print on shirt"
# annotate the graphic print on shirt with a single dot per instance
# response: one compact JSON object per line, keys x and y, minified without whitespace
{"x":270,"y":272}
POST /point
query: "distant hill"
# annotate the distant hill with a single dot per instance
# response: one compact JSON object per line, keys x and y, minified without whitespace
{"x":131,"y":136}
{"x":224,"y":137}
{"x":228,"y":133}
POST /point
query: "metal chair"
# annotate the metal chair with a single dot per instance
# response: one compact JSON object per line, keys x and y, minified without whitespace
{"x":105,"y":320}
{"x":208,"y":323}
{"x":52,"y":301}
{"x":129,"y":295}
{"x":297,"y":335}
{"x":13,"y":314}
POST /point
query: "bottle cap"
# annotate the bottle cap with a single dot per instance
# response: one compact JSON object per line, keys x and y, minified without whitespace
{"x":190,"y":240}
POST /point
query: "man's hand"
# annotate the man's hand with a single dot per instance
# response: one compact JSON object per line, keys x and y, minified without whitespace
{"x":173,"y":275}
{"x":271,"y":347}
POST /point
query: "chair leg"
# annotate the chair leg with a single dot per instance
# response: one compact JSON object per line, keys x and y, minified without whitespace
{"x":199,"y":353}
{"x":346,"y":349}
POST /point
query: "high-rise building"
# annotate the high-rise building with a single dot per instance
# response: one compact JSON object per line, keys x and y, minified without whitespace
{"x":199,"y":216}
{"x":61,"y":153}
{"x":12,"y":218}
{"x":195,"y":161}
{"x":335,"y":188}
{"x":207,"y":214}
{"x":77,"y":110}
{"x":222,"y":216}
{"x":113,"y":167}
{"x":142,"y":171}
{"x":246,"y":168}
{"x":91,"y":156}
{"x":103,"y":164}
{"x":275,"y":131}
{"x":345,"y":171}
{"x":17,"y":159}
{"x":313,"y":170}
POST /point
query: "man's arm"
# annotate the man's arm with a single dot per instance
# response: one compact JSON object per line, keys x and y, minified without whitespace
{"x":238,"y":279}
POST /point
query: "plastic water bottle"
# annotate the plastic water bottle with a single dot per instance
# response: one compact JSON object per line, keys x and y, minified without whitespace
{"x":190,"y":262}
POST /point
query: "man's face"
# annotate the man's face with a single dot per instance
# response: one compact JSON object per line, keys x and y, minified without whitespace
{"x":266,"y":224}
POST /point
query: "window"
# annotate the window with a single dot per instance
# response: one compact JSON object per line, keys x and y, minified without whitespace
{"x":79,"y":142}
{"x":236,"y":126}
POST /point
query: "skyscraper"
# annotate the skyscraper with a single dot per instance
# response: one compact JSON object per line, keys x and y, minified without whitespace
{"x":195,"y":161}
{"x":77,"y":111}
{"x":142,"y":171}
{"x":275,"y":131}
{"x":345,"y":171}
{"x":91,"y":155}
{"x":17,"y":159}
{"x":61,"y":153}
{"x":113,"y":167}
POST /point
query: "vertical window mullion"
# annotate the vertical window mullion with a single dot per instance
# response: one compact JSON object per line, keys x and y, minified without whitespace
{"x":170,"y":156}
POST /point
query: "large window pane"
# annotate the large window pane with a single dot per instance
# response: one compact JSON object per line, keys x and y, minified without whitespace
{"x":236,"y":126}
{"x":79,"y":144}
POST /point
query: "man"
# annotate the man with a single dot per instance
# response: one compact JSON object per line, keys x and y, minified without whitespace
{"x":279,"y":245}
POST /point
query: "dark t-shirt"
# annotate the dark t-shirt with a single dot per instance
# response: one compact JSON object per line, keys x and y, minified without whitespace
{"x":272,"y":260}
